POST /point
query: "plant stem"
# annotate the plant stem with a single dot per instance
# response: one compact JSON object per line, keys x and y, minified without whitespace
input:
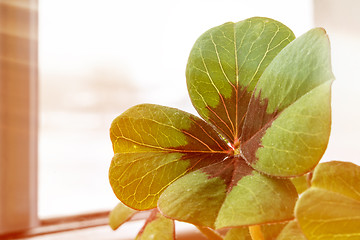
{"x":256,"y":233}
{"x":209,"y":233}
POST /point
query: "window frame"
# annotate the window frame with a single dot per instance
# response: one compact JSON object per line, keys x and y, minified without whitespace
{"x":18,"y":115}
{"x":19,"y":129}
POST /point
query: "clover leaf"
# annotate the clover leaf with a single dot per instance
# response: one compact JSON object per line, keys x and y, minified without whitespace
{"x":330,"y":208}
{"x":157,"y":227}
{"x":264,"y":99}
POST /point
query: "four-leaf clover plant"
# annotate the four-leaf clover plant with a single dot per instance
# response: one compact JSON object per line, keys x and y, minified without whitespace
{"x":264,"y":101}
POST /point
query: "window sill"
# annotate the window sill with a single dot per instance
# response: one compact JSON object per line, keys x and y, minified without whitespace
{"x":95,"y":226}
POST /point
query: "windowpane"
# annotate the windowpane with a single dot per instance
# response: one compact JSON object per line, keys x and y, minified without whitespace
{"x":98,"y":58}
{"x":342,"y":23}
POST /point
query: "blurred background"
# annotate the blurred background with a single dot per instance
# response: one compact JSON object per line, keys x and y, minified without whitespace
{"x":99,"y":57}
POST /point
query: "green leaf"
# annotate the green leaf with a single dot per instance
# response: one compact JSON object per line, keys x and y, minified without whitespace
{"x":291,"y":231}
{"x":194,"y":198}
{"x":287,"y":126}
{"x":330,"y":209}
{"x":119,"y":215}
{"x":204,"y":198}
{"x":258,"y":199}
{"x":225,"y":65}
{"x":157,"y":227}
{"x":155,"y":145}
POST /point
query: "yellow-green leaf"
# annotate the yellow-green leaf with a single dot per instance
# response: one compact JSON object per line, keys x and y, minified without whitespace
{"x":119,"y":215}
{"x":339,"y":177}
{"x":271,"y":231}
{"x":150,"y":128}
{"x":157,"y":227}
{"x":155,"y":145}
{"x":241,"y":233}
{"x":267,"y":231}
{"x":330,"y":209}
{"x":301,"y":183}
{"x":292,"y":231}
